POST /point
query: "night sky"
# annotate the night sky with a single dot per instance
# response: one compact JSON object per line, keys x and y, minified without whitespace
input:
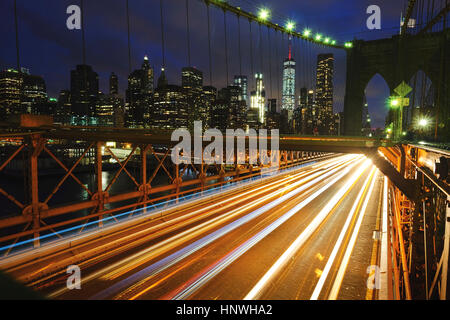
{"x":49,"y":49}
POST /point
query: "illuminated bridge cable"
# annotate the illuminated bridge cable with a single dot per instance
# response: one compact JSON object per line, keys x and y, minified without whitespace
{"x":188,"y":34}
{"x":226,"y":44}
{"x":129,"y":42}
{"x":16,"y":23}
{"x":162,"y":34}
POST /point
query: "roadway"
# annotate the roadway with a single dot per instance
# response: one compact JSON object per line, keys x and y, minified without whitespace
{"x":305,"y":234}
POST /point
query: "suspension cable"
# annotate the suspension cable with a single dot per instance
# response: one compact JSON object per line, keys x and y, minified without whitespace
{"x":17,"y":36}
{"x":278,"y":68}
{"x":83,"y":40}
{"x":270,"y":63}
{"x":129,"y":41}
{"x":188,"y":34}
{"x":162,"y":34}
{"x":226,"y":43}
{"x":239,"y":44}
{"x":282,"y":72}
{"x":260,"y":49}
{"x":209,"y":44}
{"x":251,"y":54}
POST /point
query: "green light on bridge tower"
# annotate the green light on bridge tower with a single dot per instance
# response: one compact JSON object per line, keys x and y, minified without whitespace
{"x":348,"y":45}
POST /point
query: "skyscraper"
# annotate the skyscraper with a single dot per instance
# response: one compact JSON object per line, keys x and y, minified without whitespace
{"x":84,"y":90}
{"x":242,"y":82}
{"x":231,"y":108}
{"x":10,"y":93}
{"x":138,"y":94}
{"x":169,"y":110}
{"x":324,"y":92}
{"x":288,"y":94}
{"x":192,"y":84}
{"x":34,"y":95}
{"x":209,"y":96}
{"x":113,"y":84}
{"x":258,"y":98}
{"x":191,"y":78}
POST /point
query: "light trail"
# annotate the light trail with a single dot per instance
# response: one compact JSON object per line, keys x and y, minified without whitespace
{"x":179,"y":255}
{"x":221,"y":205}
{"x":340,"y":275}
{"x":331,"y":259}
{"x":198,"y":230}
{"x":194,"y":284}
{"x":304,"y":236}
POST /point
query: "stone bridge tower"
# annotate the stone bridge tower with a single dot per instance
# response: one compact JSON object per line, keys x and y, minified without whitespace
{"x":397,"y":59}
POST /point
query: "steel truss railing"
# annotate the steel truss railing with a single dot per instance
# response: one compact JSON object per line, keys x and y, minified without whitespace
{"x":32,"y":215}
{"x":419,"y":229}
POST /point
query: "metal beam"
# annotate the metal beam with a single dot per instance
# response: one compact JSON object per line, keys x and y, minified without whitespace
{"x":436,"y":19}
{"x":408,"y":15}
{"x":238,"y":11}
{"x":407,"y":186}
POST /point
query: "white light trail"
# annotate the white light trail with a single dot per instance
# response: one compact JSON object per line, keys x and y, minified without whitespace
{"x":339,"y":241}
{"x":304,"y":236}
{"x":343,"y":267}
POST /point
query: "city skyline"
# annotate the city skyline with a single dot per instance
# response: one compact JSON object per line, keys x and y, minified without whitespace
{"x":113,"y":48}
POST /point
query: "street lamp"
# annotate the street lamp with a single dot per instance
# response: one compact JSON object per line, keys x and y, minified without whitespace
{"x":395,"y":102}
{"x":423,"y":122}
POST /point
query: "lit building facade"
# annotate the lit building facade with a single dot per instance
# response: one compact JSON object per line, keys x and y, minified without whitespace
{"x":288,"y":93}
{"x":192,"y":84}
{"x":242,"y":82}
{"x":10,"y":93}
{"x":169,"y":110}
{"x":324,"y":93}
{"x":258,"y":98}
{"x":139,"y":94}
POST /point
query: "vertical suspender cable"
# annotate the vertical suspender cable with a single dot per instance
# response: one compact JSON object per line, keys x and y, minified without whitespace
{"x":270,"y":63}
{"x":260,"y":50}
{"x":16,"y":22}
{"x":129,"y":41}
{"x":209,"y":43}
{"x":282,"y":71}
{"x":278,"y":68}
{"x":188,"y":34}
{"x":162,"y":34}
{"x":251,"y":54}
{"x":226,"y":43}
{"x":239,"y":44}
{"x":304,"y":62}
{"x":83,"y":40}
